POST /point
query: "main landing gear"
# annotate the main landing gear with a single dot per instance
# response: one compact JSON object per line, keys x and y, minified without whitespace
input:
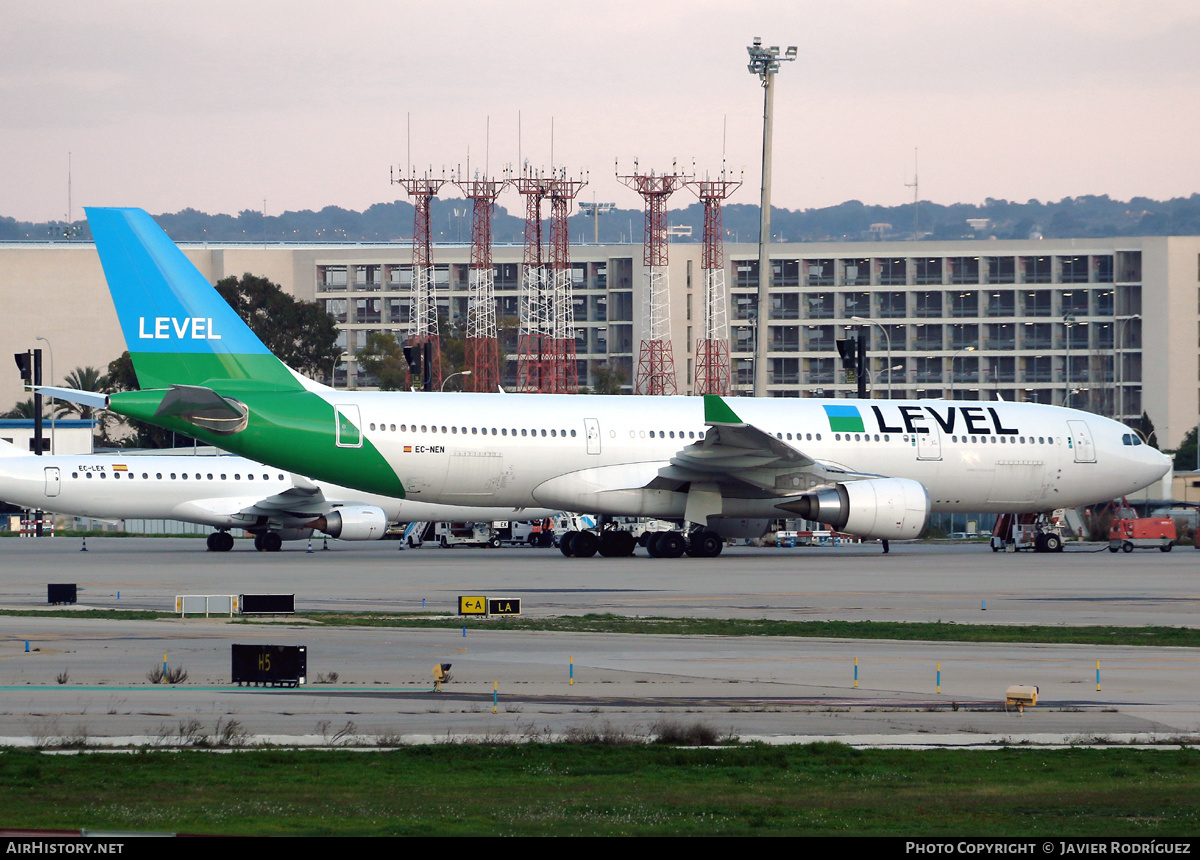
{"x":268,"y":542}
{"x":220,"y":542}
{"x":617,"y":543}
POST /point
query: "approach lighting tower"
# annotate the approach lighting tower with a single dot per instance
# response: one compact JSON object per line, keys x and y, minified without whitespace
{"x":712,"y":347}
{"x":656,"y":361}
{"x":483,"y":353}
{"x":535,"y":334}
{"x":424,"y":331}
{"x":764,"y":62}
{"x":561,"y":369}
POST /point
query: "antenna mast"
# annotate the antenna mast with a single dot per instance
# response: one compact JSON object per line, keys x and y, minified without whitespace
{"x":483,"y":354}
{"x":712,"y":349}
{"x":422,"y":189}
{"x":656,"y":359}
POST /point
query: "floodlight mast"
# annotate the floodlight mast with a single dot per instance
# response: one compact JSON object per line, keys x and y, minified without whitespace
{"x":764,"y":62}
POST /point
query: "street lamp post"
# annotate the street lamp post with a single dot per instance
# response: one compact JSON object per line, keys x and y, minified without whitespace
{"x":1119,"y":356}
{"x":764,"y":62}
{"x":889,"y":373}
{"x":888,"y":338}
{"x":1068,"y":320}
{"x":451,"y":376}
{"x":956,"y":355}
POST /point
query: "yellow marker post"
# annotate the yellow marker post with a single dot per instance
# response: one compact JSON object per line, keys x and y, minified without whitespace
{"x":856,"y":673}
{"x":572,"y":682}
{"x":495,"y":694}
{"x":164,"y":677}
{"x":1097,"y":676}
{"x":939,"y":677}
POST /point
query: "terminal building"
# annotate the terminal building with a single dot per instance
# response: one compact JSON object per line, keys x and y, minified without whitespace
{"x":1109,"y":325}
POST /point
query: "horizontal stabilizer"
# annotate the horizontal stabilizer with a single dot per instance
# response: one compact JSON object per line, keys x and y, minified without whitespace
{"x":73,"y":395}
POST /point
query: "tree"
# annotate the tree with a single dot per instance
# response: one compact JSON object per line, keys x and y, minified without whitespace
{"x":1185,"y":454}
{"x":608,"y":380}
{"x":81,"y":379}
{"x":1145,"y":428}
{"x":301,"y":334}
{"x":23,"y":409}
{"x":121,"y":377}
{"x":88,"y":379}
{"x":381,"y":356}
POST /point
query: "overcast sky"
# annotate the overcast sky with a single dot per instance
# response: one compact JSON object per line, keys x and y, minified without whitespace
{"x":220,"y":105}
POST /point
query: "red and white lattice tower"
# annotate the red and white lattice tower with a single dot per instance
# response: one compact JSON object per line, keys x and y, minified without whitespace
{"x":535,"y":336}
{"x":562,"y":369}
{"x":424,"y":329}
{"x":656,"y":360}
{"x":712,"y":347}
{"x":483,"y":353}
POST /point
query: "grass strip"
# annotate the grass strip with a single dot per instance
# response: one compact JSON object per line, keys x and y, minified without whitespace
{"x":634,"y":789}
{"x":1185,"y":637}
{"x":939,"y":631}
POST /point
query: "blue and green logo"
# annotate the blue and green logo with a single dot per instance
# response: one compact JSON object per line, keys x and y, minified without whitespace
{"x":844,"y":419}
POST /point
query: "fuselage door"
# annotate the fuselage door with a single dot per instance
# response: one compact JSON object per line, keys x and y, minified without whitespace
{"x":929,"y":442}
{"x":591,"y":427}
{"x":53,"y":481}
{"x":1081,"y":442}
{"x":346,"y":432}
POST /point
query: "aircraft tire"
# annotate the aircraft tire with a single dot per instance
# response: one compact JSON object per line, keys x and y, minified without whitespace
{"x":584,"y":545}
{"x":1126,"y":547}
{"x":258,"y":543}
{"x":1053,"y":543}
{"x":212,"y":542}
{"x":670,"y":545}
{"x":566,"y":544}
{"x":705,"y":544}
{"x":617,"y":544}
{"x":221,"y":541}
{"x":272,"y":542}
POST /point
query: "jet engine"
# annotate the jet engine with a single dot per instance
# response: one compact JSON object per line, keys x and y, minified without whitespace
{"x":353,"y":522}
{"x":892,"y":508}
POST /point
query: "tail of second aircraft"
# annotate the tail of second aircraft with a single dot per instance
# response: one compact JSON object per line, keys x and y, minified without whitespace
{"x":178,"y":328}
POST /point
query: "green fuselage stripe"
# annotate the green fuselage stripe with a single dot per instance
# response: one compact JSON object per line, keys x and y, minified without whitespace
{"x":294,"y":430}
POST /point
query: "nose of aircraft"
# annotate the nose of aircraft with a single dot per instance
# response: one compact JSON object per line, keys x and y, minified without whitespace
{"x":1157,"y":463}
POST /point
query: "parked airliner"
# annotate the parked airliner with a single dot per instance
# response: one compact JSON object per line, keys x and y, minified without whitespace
{"x":876,"y":468}
{"x":224,"y":492}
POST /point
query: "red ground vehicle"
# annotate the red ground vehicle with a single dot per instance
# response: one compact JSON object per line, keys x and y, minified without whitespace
{"x":1143,"y":533}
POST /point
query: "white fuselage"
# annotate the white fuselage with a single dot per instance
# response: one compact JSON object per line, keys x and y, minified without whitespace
{"x":209,"y":490}
{"x":597,"y":453}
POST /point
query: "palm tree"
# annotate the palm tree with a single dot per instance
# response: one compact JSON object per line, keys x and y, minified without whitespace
{"x":23,"y":409}
{"x":88,"y":379}
{"x":81,"y":379}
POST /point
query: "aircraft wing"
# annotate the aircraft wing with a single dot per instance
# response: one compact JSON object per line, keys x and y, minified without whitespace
{"x":741,"y":460}
{"x":303,"y":501}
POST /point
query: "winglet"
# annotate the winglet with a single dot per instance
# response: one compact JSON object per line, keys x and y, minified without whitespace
{"x":717,"y":411}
